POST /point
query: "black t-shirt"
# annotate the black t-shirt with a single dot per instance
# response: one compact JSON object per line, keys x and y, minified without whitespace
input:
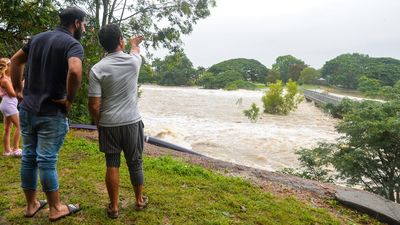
{"x":46,"y":78}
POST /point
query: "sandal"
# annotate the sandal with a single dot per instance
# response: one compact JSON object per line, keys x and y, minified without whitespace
{"x":112,"y":214}
{"x":145,"y":203}
{"x":72,"y":209}
{"x":42,"y":203}
{"x":17,"y":153}
{"x":7,"y":154}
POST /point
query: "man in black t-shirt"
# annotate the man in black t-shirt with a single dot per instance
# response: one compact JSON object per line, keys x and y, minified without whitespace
{"x":54,"y":75}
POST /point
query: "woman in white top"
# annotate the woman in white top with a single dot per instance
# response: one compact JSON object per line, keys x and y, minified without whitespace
{"x":8,"y":107}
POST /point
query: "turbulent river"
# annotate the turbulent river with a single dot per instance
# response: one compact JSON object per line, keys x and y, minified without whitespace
{"x":211,"y":122}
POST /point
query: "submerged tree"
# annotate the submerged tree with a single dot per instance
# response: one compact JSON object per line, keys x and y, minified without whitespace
{"x":276,"y":102}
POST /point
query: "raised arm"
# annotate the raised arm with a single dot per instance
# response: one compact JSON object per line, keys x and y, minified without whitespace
{"x":135,"y":41}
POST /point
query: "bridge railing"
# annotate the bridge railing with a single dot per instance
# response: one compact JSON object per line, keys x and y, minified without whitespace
{"x":321,"y":97}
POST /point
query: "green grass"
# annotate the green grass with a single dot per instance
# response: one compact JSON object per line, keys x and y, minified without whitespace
{"x":179,"y":193}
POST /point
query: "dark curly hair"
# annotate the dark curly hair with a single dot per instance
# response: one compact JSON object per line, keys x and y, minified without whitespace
{"x":109,"y":37}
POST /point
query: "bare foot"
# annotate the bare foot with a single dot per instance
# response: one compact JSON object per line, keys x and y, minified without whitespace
{"x":62,"y":211}
{"x":31,"y":209}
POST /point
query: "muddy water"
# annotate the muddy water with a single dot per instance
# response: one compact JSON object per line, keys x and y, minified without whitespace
{"x":212,"y":123}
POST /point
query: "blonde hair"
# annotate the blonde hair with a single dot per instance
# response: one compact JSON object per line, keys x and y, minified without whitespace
{"x":4,"y":64}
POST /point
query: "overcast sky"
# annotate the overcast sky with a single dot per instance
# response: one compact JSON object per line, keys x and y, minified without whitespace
{"x":312,"y":30}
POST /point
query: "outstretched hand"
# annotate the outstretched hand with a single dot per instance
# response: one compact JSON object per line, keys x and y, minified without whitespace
{"x":135,"y":41}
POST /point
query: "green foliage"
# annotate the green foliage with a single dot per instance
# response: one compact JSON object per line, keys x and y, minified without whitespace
{"x":369,"y":86}
{"x":229,"y":80}
{"x":340,"y":110}
{"x":273,"y":76}
{"x":391,"y":93}
{"x":250,"y":69}
{"x":289,"y":67}
{"x":147,"y":74}
{"x":252,"y":113}
{"x":368,"y":152}
{"x":273,"y":99}
{"x":346,"y":70}
{"x":275,"y":102}
{"x":21,"y":19}
{"x":176,"y":69}
{"x":161,"y":22}
{"x":206,"y":79}
{"x":226,"y":77}
{"x":309,"y":76}
{"x":239,"y":84}
{"x":313,"y":164}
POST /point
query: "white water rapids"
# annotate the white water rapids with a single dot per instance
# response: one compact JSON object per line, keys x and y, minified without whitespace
{"x":211,"y":122}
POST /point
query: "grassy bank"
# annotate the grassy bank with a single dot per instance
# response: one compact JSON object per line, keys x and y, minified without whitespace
{"x":179,"y":193}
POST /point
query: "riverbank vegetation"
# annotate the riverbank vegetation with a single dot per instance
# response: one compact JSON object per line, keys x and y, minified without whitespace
{"x":179,"y":193}
{"x":367,"y":154}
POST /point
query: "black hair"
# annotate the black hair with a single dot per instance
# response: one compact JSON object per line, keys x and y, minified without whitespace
{"x":69,"y":15}
{"x":109,"y":37}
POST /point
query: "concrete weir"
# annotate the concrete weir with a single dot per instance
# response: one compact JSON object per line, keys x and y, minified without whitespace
{"x":372,"y":204}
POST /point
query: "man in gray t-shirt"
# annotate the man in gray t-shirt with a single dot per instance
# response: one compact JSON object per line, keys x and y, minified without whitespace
{"x":113,"y":107}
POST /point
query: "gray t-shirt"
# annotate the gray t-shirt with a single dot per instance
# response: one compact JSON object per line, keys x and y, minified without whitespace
{"x":114,"y":79}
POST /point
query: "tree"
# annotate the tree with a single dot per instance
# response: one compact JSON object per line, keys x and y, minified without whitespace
{"x":207,"y":80}
{"x":147,"y":74}
{"x":273,"y":76}
{"x":295,"y":70}
{"x":346,"y":70}
{"x":176,"y":69}
{"x":161,"y":22}
{"x":239,"y":84}
{"x":309,"y":75}
{"x":275,"y":102}
{"x":289,"y":67}
{"x":226,"y":77}
{"x":368,"y":86}
{"x":252,"y":113}
{"x":21,"y":19}
{"x":369,"y":151}
{"x":250,"y":69}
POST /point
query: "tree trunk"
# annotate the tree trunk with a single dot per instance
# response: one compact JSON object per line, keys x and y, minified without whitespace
{"x":105,"y":12}
{"x":111,"y":12}
{"x":122,"y":14}
{"x":97,"y":19}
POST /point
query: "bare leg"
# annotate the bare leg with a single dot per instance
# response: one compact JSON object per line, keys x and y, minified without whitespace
{"x":33,"y":204}
{"x":56,"y":208}
{"x":15,"y":120}
{"x":112,"y":183}
{"x":7,"y":134}
{"x":139,"y":195}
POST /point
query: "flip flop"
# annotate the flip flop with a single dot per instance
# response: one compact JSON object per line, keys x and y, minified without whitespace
{"x":72,"y":209}
{"x":145,"y":203}
{"x":42,"y":203}
{"x":112,"y":214}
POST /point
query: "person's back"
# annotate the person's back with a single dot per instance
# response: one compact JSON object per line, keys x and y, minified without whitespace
{"x":117,"y":74}
{"x":113,"y":107}
{"x":54,"y":75}
{"x":48,"y":54}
